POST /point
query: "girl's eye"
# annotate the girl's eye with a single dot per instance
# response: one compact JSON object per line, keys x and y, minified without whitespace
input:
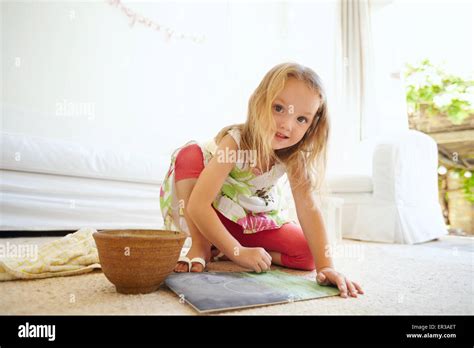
{"x":302,"y":119}
{"x":278,"y":108}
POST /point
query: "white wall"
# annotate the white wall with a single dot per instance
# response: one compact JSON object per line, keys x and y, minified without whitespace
{"x":128,"y":86}
{"x":142,"y":89}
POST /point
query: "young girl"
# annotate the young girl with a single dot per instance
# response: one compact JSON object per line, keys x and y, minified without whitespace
{"x":225,"y":194}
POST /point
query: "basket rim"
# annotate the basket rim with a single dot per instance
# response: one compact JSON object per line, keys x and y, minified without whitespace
{"x":139,"y":234}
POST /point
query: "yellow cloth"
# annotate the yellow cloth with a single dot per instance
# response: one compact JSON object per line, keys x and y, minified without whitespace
{"x":75,"y":253}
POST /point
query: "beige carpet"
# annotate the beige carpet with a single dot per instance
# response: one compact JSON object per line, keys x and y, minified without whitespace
{"x":431,"y":278}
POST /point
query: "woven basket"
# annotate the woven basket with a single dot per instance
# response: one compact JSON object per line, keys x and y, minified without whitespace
{"x":138,"y":261}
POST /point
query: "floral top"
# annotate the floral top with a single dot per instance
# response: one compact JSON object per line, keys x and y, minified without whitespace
{"x":252,"y":200}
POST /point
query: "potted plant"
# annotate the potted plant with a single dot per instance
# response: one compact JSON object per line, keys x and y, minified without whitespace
{"x":431,"y":91}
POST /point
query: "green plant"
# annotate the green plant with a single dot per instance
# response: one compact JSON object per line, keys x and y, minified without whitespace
{"x":467,"y":182}
{"x":468,"y":185}
{"x":431,"y":89}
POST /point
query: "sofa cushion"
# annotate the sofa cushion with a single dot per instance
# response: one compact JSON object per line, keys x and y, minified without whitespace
{"x":54,"y":156}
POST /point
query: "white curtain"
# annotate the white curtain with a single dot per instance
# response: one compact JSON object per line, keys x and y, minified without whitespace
{"x":356,"y":70}
{"x":371,"y":91}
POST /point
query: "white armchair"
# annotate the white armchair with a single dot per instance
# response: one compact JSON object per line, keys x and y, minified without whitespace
{"x":399,"y":202}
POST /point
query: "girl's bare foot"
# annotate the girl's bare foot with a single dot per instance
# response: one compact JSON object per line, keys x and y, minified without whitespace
{"x":194,"y":251}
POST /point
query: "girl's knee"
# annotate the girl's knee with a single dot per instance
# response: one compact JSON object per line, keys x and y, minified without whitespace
{"x":306,"y":263}
{"x":189,"y":162}
{"x":189,"y":153}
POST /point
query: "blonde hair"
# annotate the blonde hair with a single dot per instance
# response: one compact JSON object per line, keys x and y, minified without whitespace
{"x":306,"y":160}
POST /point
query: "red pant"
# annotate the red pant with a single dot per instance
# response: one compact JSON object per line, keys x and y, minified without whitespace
{"x":288,"y":240}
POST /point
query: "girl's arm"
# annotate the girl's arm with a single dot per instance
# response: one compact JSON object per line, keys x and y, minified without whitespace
{"x":311,"y":222}
{"x":200,"y":210}
{"x":204,"y":193}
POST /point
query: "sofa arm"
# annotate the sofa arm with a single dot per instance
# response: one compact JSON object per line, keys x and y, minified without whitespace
{"x":405,"y":169}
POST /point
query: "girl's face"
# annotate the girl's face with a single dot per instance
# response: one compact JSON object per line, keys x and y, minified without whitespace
{"x":293,"y":110}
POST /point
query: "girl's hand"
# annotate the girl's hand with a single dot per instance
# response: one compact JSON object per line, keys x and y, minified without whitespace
{"x":328,"y":276}
{"x":256,"y":259}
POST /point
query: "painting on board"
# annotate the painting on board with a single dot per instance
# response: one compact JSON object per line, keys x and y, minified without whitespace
{"x":219,"y":291}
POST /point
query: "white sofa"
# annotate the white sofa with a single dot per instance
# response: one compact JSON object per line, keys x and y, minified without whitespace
{"x":398,"y":202}
{"x":50,"y":184}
